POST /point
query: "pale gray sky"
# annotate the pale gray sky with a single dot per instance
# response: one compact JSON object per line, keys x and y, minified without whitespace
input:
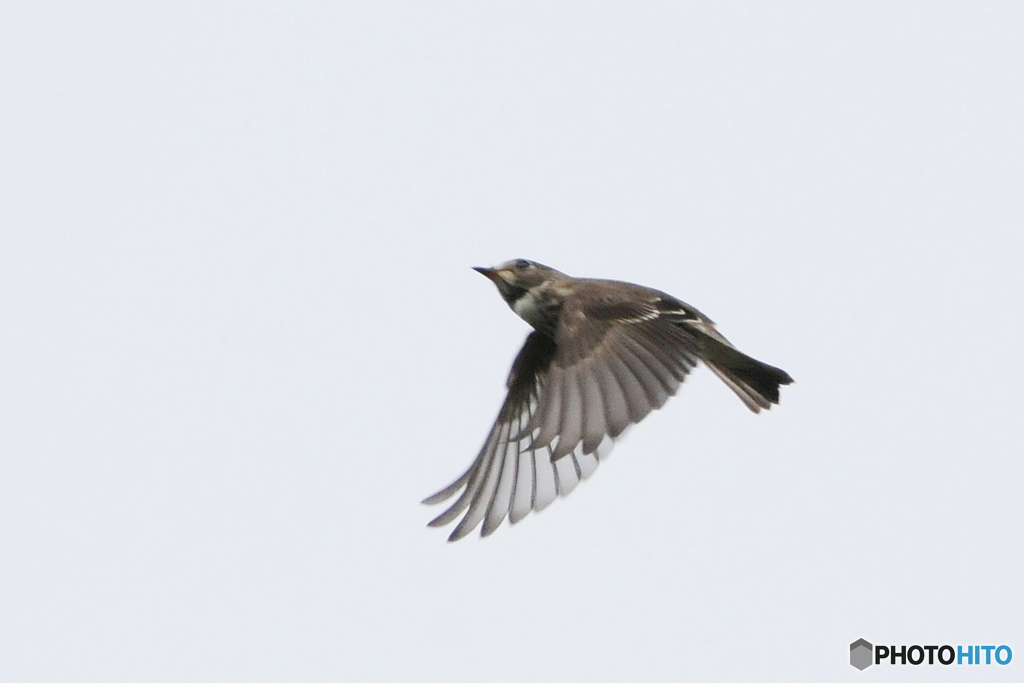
{"x":241,"y":338}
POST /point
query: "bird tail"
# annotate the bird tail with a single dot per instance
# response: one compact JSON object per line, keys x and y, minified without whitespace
{"x":756,"y":383}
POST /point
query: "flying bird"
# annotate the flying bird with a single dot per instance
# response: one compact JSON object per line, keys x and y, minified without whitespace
{"x":601,"y":356}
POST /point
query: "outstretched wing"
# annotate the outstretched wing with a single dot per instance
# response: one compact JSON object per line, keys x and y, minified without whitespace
{"x":507,"y":478}
{"x":614,"y":359}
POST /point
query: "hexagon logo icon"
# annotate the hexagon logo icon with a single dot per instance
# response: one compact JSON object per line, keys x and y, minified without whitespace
{"x":860,"y":654}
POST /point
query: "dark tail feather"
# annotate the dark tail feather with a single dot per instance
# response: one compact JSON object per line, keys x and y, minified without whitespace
{"x":756,"y":383}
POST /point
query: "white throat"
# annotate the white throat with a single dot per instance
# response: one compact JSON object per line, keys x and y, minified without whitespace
{"x":527,"y":309}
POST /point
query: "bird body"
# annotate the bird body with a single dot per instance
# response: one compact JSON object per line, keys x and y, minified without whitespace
{"x":602,"y":356}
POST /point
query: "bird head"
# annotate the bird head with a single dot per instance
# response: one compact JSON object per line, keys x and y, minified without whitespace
{"x":515,"y":278}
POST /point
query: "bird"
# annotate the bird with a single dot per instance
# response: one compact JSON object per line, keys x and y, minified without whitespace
{"x":602,"y":355}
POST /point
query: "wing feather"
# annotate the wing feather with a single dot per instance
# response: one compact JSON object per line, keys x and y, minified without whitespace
{"x":570,"y":429}
{"x":550,"y":411}
{"x":613,"y":398}
{"x":594,"y":424}
{"x":501,"y":499}
{"x":547,"y":482}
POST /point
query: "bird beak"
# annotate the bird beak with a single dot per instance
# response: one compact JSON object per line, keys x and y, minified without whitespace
{"x":489,"y":273}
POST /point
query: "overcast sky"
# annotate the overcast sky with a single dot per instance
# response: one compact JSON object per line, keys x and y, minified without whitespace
{"x":240,"y":339}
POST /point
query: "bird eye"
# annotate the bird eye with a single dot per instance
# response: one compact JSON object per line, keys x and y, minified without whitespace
{"x":522,"y":264}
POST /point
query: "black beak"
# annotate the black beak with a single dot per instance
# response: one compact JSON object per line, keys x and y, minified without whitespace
{"x":488,"y":273}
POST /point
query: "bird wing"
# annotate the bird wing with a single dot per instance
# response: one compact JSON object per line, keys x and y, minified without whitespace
{"x":619,"y":357}
{"x":614,"y":359}
{"x":507,"y":478}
